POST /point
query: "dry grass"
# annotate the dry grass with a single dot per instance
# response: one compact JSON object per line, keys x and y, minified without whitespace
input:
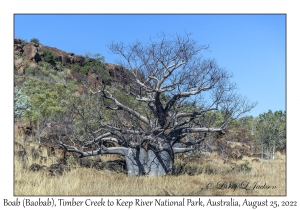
{"x":215,"y":178}
{"x":208,"y":175}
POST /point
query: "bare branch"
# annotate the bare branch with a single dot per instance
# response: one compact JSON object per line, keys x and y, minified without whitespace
{"x":108,"y":95}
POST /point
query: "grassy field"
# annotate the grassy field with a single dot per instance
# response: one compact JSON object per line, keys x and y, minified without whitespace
{"x":208,"y":175}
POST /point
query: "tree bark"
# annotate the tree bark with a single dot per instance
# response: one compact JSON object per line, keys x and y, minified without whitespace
{"x":141,"y":162}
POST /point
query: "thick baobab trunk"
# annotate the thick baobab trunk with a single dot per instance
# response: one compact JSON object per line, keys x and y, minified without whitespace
{"x":160,"y":163}
{"x":141,"y":162}
{"x":136,"y":162}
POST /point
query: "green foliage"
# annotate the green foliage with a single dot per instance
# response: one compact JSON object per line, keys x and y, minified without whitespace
{"x":35,"y":40}
{"x":44,"y":65}
{"x":211,"y":119}
{"x":42,"y":73}
{"x":271,"y":127}
{"x":48,"y":56}
{"x":45,"y":105}
{"x":71,"y":160}
{"x":48,"y":101}
{"x":58,"y":66}
{"x":243,"y":167}
{"x":23,"y":42}
{"x":30,"y":71}
{"x":95,"y":63}
{"x":74,"y":67}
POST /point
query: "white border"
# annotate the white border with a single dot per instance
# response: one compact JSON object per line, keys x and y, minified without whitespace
{"x":8,"y":8}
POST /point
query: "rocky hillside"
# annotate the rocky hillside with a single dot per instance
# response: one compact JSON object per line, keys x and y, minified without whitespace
{"x":32,"y":55}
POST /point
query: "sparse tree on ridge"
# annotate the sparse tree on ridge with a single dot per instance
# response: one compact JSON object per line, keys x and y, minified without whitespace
{"x":169,"y":92}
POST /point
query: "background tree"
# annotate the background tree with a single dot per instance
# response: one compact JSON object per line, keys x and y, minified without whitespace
{"x":170,"y":90}
{"x":94,"y":62}
{"x":271,"y":131}
{"x":21,"y":107}
{"x":47,"y":103}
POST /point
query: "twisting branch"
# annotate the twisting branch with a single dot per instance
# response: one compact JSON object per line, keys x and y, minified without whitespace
{"x":108,"y":95}
{"x":173,"y":97}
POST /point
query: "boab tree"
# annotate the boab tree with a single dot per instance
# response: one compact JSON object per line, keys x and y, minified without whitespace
{"x":170,"y":89}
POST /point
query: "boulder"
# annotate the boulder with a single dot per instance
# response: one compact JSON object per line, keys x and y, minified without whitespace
{"x":18,"y":62}
{"x":94,"y":79}
{"x":255,"y":160}
{"x":76,"y":76}
{"x":31,"y":52}
{"x":37,"y":167}
{"x":70,"y":54}
{"x":33,"y":65}
{"x":118,"y":74}
{"x":82,"y":90}
{"x":18,"y":49}
{"x":62,"y":161}
{"x":56,"y":169}
{"x":65,"y":57}
{"x":59,"y":55}
{"x":17,"y":41}
{"x":19,"y":66}
{"x":77,"y":59}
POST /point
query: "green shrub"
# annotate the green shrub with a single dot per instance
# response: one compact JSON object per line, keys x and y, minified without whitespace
{"x":35,"y":40}
{"x":44,"y":65}
{"x":243,"y":167}
{"x":31,"y":71}
{"x":48,"y":56}
{"x":94,"y":62}
{"x":59,"y":66}
{"x":23,"y":42}
{"x":71,"y":160}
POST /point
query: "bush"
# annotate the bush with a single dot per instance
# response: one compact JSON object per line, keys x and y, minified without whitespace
{"x":35,"y":40}
{"x":21,"y":103}
{"x":23,"y":42}
{"x":96,"y":64}
{"x":71,"y":160}
{"x":48,"y":56}
{"x":44,"y":65}
{"x":243,"y":167}
{"x":31,"y":71}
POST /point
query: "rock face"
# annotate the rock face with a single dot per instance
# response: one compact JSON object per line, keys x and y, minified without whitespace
{"x":32,"y":54}
{"x":76,"y":76}
{"x":118,"y":74}
{"x":18,"y":64}
{"x":60,"y":55}
{"x":18,"y":49}
{"x":94,"y":79}
{"x":17,"y":41}
{"x":77,"y":59}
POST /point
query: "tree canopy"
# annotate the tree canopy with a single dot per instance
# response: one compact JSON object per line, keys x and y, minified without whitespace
{"x":169,"y":95}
